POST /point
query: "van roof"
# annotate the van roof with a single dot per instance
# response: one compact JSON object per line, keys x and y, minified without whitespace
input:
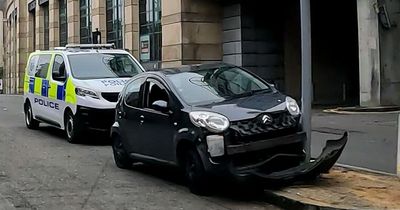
{"x":81,"y":51}
{"x":83,"y":48}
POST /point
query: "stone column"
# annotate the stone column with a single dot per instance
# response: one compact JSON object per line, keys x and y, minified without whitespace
{"x":54,"y":35}
{"x":99,"y":18}
{"x":22,"y":45}
{"x":131,"y":27}
{"x":368,"y":30}
{"x":73,"y":21}
{"x":192,"y":32}
{"x":39,"y":27}
{"x":1,"y":43}
{"x":31,"y":31}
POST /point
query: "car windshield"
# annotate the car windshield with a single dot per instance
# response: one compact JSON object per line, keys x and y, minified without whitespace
{"x":102,"y":65}
{"x":216,"y":85}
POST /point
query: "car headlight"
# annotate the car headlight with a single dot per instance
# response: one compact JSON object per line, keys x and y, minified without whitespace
{"x":292,"y":106}
{"x":211,"y":121}
{"x":86,"y":92}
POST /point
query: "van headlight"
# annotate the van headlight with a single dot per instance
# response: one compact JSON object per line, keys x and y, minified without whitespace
{"x":211,"y":121}
{"x":85,"y":92}
{"x":292,"y":106}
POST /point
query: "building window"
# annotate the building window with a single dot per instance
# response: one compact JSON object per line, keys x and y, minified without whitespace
{"x":114,"y":22}
{"x":63,"y":22}
{"x":86,"y":23}
{"x":46,"y":26}
{"x":150,"y":30}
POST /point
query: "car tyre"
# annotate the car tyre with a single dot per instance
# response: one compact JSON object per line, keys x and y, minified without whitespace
{"x":73,"y":128}
{"x":30,"y":122}
{"x":121,"y":158}
{"x":195,"y":174}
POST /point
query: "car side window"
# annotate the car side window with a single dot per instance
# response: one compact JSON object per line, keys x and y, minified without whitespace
{"x":43,"y":66}
{"x":132,"y":93}
{"x":58,"y":71}
{"x":32,"y":65}
{"x":156,"y":92}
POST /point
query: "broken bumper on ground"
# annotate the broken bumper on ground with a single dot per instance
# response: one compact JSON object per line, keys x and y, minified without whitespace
{"x":301,"y":172}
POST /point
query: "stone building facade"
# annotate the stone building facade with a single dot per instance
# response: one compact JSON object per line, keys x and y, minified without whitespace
{"x":355,"y":52}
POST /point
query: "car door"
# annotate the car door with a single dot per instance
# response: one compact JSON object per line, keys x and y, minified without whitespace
{"x":129,"y":114}
{"x":56,"y":88}
{"x":157,"y":125}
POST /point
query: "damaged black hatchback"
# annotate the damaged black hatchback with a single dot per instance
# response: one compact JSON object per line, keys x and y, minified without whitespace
{"x":214,"y":120}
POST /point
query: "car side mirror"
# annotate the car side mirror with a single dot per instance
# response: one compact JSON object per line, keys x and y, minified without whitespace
{"x":160,"y":105}
{"x":60,"y":74}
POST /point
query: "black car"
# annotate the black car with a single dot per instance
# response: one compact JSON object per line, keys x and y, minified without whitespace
{"x":214,"y":120}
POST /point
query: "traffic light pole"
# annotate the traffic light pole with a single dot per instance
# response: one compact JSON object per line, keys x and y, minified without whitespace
{"x":306,"y":73}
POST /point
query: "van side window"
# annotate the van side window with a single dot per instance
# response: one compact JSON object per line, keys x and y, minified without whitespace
{"x":43,"y":66}
{"x":58,"y":72}
{"x":32,"y":65}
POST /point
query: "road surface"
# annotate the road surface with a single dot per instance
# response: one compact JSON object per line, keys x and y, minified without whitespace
{"x":40,"y":170}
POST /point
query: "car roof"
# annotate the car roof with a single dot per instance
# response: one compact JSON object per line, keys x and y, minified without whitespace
{"x":189,"y":68}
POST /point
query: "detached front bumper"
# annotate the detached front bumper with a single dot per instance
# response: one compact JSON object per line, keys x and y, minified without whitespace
{"x":304,"y":171}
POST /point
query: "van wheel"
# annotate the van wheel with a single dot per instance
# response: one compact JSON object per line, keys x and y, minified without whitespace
{"x":30,"y":122}
{"x":195,"y":174}
{"x":121,"y":158}
{"x":72,"y":126}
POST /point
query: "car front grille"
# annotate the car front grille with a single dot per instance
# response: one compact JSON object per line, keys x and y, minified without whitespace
{"x":250,"y":130}
{"x":111,"y":97}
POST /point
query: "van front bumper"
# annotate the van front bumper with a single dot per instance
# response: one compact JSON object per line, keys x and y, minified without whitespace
{"x":96,"y":119}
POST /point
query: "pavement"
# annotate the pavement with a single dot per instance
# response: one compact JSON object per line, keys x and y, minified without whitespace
{"x":342,"y":189}
{"x":41,"y":170}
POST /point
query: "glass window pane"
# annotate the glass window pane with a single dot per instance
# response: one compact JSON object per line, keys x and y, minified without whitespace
{"x":150,"y":28}
{"x":43,"y":66}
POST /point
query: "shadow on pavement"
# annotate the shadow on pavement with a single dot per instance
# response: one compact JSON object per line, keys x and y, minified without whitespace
{"x":221,"y":187}
{"x":89,"y":138}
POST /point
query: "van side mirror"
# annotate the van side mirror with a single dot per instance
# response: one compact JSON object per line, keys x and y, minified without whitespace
{"x":59,"y":74}
{"x":160,"y":105}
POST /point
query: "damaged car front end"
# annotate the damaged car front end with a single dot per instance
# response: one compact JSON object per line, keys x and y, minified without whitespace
{"x":267,"y":152}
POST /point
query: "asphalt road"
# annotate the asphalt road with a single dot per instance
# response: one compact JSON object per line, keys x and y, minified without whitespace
{"x":372,"y":142}
{"x":40,"y":170}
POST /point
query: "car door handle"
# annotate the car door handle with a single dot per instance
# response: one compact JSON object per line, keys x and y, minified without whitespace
{"x":121,"y":114}
{"x":141,"y":119}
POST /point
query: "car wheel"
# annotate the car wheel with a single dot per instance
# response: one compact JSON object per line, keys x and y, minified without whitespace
{"x":73,"y":129}
{"x":121,"y":158}
{"x":30,"y":122}
{"x":195,"y":173}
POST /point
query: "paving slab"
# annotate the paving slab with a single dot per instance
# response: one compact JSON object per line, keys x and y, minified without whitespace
{"x":341,"y":189}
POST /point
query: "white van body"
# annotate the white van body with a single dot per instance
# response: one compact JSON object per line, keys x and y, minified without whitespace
{"x":81,"y":82}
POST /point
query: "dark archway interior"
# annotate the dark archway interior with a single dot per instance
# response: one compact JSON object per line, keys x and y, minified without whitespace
{"x":335,"y":52}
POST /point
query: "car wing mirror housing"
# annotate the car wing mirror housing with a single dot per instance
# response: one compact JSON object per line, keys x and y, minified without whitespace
{"x":160,"y":105}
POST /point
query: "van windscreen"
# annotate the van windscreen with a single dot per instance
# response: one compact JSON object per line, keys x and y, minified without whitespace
{"x":102,"y":65}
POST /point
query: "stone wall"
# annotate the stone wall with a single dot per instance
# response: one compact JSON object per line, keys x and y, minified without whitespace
{"x":191,"y":32}
{"x":390,"y":56}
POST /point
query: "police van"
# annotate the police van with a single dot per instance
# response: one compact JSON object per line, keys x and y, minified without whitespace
{"x":76,"y":87}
